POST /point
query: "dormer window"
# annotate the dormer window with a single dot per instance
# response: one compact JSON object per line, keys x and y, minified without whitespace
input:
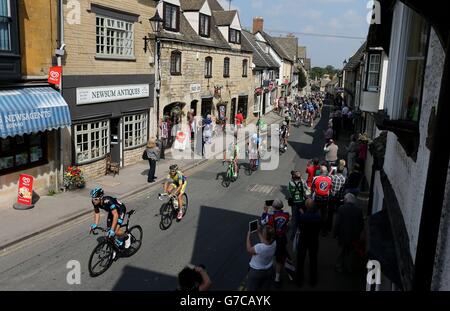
{"x":171,"y":17}
{"x":235,"y":36}
{"x":205,"y":25}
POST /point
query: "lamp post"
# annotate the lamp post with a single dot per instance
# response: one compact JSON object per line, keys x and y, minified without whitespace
{"x":156,"y":23}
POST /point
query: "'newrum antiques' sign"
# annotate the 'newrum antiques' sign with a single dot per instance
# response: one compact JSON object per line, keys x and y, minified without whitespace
{"x":101,"y":94}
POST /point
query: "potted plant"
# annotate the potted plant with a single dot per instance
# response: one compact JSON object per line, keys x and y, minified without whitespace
{"x":73,"y":177}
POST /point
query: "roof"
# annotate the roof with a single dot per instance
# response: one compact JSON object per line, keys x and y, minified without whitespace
{"x":191,"y":5}
{"x":214,"y":5}
{"x":301,"y":52}
{"x":274,"y":44}
{"x":355,"y":59}
{"x":308,"y":64}
{"x":224,"y":18}
{"x":289,"y":46}
{"x":260,"y":58}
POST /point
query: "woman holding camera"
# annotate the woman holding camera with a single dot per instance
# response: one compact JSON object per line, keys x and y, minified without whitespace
{"x":261,"y":272}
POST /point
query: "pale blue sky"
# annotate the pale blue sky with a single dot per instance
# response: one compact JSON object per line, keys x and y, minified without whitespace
{"x":338,"y":17}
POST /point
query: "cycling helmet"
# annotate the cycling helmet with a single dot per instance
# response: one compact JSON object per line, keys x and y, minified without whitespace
{"x":173,"y":167}
{"x":284,"y":123}
{"x":97,"y":192}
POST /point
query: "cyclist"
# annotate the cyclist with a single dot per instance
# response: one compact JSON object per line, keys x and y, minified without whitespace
{"x":284,"y":134}
{"x":234,"y":153}
{"x":253,"y":153}
{"x":176,"y":184}
{"x":311,"y":113}
{"x":116,"y":213}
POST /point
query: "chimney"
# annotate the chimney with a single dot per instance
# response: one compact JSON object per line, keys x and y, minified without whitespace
{"x":258,"y":24}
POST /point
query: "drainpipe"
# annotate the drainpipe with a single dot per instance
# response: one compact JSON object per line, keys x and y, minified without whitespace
{"x":61,"y":48}
{"x":435,"y":188}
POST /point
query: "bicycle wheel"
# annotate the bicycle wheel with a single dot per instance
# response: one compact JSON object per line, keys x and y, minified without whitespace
{"x":185,"y":204}
{"x":100,"y":259}
{"x":226,"y":181}
{"x":166,"y":213}
{"x":136,"y":240}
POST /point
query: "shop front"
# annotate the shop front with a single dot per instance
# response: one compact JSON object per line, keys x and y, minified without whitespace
{"x":108,"y":120}
{"x":31,"y":120}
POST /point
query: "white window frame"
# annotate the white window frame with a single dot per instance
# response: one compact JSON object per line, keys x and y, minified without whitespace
{"x":90,"y":129}
{"x":373,"y":72}
{"x":121,"y":38}
{"x":135,"y":126}
{"x":8,"y":12}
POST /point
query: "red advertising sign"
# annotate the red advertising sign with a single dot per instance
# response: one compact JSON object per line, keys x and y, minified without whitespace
{"x":54,"y":75}
{"x":25,"y":189}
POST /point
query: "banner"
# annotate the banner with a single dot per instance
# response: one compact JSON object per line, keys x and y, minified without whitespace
{"x":25,"y":193}
{"x":54,"y":75}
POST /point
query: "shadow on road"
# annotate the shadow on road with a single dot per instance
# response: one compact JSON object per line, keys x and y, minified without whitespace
{"x":137,"y":279}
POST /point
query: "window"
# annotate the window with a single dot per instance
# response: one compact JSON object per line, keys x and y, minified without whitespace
{"x":20,"y":152}
{"x":175,"y":63}
{"x":205,"y":22}
{"x":244,"y":68}
{"x":208,"y":67}
{"x":114,"y":37}
{"x":226,"y":67}
{"x":5,"y":25}
{"x":373,"y":72}
{"x":418,"y":33}
{"x":235,"y":36}
{"x":171,"y":17}
{"x":135,"y":130}
{"x":91,"y":141}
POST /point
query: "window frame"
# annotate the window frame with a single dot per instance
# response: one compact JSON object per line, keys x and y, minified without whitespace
{"x":208,"y":67}
{"x":208,"y":30}
{"x":89,"y":131}
{"x":167,"y":6}
{"x":8,"y":20}
{"x":135,"y":119}
{"x":15,"y":150}
{"x":368,"y":88}
{"x":245,"y":68}
{"x":237,"y":38}
{"x":175,"y":71}
{"x":121,"y":35}
{"x":226,"y":67}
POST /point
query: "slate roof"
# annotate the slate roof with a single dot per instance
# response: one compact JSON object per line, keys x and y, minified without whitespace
{"x":191,"y":5}
{"x":224,"y":18}
{"x":301,"y":52}
{"x":289,"y":46}
{"x":274,"y":44}
{"x":214,"y":5}
{"x":260,"y":58}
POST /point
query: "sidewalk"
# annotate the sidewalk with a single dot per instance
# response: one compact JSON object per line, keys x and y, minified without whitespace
{"x":53,"y":211}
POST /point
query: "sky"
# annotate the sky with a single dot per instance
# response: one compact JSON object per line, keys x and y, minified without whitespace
{"x":335,"y":17}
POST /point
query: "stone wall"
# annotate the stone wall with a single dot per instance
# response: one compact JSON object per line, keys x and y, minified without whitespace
{"x":94,"y":170}
{"x":133,"y":156}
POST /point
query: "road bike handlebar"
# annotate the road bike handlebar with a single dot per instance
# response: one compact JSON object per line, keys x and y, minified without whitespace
{"x":94,"y":231}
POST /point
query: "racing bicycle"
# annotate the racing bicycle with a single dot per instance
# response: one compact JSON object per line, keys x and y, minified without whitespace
{"x":229,"y":177}
{"x":169,"y":210}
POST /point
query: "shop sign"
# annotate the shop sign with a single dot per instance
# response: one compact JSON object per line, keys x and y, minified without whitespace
{"x":25,"y":192}
{"x":92,"y":95}
{"x":195,"y":88}
{"x":54,"y":75}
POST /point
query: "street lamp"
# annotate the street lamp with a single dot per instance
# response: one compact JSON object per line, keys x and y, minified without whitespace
{"x":156,"y":23}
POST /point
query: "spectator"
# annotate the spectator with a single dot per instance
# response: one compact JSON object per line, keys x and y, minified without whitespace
{"x":331,"y":151}
{"x":348,"y":229}
{"x":207,"y":129}
{"x":194,"y":279}
{"x":297,"y":199}
{"x":278,"y":219}
{"x":239,"y":119}
{"x":362,"y":150}
{"x":352,"y":150}
{"x":260,"y":275}
{"x":337,"y":123}
{"x":336,"y":195}
{"x":342,"y":164}
{"x":353,"y":181}
{"x":311,"y":169}
{"x":153,"y":154}
{"x":345,"y":111}
{"x":321,"y":188}
{"x":308,"y":242}
{"x":328,"y":133}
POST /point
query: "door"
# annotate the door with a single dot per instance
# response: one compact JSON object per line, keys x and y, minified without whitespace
{"x":115,"y":140}
{"x":206,"y":106}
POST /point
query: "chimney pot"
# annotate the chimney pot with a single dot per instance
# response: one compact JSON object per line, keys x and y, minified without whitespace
{"x":258,"y":24}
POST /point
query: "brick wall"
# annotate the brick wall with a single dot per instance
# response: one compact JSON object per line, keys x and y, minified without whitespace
{"x":133,"y":156}
{"x":81,"y":40}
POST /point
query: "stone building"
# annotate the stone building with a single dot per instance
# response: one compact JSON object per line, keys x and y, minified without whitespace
{"x":204,"y":64}
{"x":108,"y":82}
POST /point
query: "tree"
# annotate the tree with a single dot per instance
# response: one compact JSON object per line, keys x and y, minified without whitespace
{"x":319,"y":71}
{"x":301,"y":79}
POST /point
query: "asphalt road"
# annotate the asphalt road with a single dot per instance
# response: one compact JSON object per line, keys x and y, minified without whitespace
{"x":212,"y":233}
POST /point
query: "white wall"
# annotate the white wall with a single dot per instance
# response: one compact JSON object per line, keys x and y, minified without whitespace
{"x":206,"y":9}
{"x":193,"y":19}
{"x":236,"y":24}
{"x":224,"y":30}
{"x":408,"y":177}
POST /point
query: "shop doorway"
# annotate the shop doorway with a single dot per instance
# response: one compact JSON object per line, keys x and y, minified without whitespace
{"x":115,"y":141}
{"x":207,"y":105}
{"x":243,"y":105}
{"x":194,"y":106}
{"x":233,"y":111}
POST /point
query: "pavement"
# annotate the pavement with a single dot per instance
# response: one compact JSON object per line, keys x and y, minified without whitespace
{"x":212,"y":233}
{"x":53,"y":211}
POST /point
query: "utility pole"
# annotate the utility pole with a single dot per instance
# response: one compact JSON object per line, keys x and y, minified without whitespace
{"x":229,"y":5}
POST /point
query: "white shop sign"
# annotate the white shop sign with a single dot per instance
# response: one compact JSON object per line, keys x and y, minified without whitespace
{"x":195,"y":88}
{"x":101,"y":94}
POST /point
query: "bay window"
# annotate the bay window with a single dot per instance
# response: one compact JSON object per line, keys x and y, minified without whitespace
{"x":135,"y":130}
{"x":373,"y":72}
{"x":91,"y":141}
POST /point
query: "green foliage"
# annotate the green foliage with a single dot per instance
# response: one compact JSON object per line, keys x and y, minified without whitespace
{"x":301,"y":79}
{"x":315,"y":88}
{"x":319,"y":71}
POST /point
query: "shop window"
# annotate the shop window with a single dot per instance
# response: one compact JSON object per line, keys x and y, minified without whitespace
{"x":135,"y":133}
{"x":91,"y":141}
{"x":22,"y":152}
{"x":114,"y":37}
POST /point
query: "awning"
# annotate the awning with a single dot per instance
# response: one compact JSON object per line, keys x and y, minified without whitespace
{"x":28,"y":110}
